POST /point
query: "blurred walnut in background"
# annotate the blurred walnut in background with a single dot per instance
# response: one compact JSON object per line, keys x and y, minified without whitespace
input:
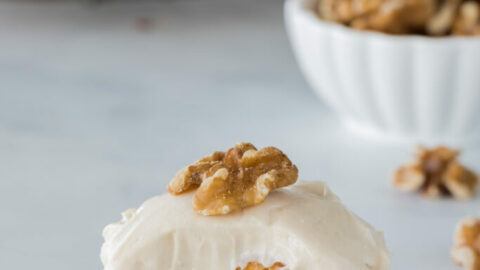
{"x":466,"y":244}
{"x":437,"y":172}
{"x":430,"y":17}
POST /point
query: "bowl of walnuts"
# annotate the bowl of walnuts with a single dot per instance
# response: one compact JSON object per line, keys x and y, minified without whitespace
{"x":395,"y":68}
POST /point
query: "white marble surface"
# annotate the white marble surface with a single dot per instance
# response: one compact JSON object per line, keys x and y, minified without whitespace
{"x":96,"y":116}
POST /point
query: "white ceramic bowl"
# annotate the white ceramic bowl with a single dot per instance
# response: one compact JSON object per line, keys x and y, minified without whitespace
{"x":415,"y":87}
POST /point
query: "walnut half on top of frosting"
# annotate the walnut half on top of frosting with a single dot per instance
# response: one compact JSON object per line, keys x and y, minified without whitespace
{"x":437,"y":172}
{"x":259,"y":266}
{"x":429,"y":17}
{"x":229,"y":181}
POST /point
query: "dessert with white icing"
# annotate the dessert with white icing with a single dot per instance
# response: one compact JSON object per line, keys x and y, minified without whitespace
{"x":300,"y":227}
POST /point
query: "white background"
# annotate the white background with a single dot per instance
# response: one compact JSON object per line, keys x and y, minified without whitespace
{"x":96,"y":116}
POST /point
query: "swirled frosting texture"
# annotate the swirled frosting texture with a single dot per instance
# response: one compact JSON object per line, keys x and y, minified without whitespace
{"x":305,"y":227}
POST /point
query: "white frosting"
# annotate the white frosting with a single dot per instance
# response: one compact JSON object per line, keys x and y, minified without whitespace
{"x":304,"y":226}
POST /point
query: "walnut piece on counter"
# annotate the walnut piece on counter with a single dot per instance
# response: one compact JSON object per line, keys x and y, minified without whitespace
{"x":429,"y":17}
{"x":239,"y":178}
{"x":259,"y":266}
{"x":466,"y":244}
{"x":437,"y":172}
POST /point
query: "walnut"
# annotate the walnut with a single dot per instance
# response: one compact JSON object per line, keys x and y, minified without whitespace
{"x":345,"y":11}
{"x":467,"y":21}
{"x":390,"y":16}
{"x":231,"y":181}
{"x":437,"y":172}
{"x":442,"y":21}
{"x":259,"y":266}
{"x":431,"y":17}
{"x":466,"y":244}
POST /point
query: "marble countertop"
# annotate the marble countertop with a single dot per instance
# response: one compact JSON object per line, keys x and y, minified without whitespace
{"x":101,"y":105}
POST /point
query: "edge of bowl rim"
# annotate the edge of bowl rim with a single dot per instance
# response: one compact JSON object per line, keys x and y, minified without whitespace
{"x":299,"y":7}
